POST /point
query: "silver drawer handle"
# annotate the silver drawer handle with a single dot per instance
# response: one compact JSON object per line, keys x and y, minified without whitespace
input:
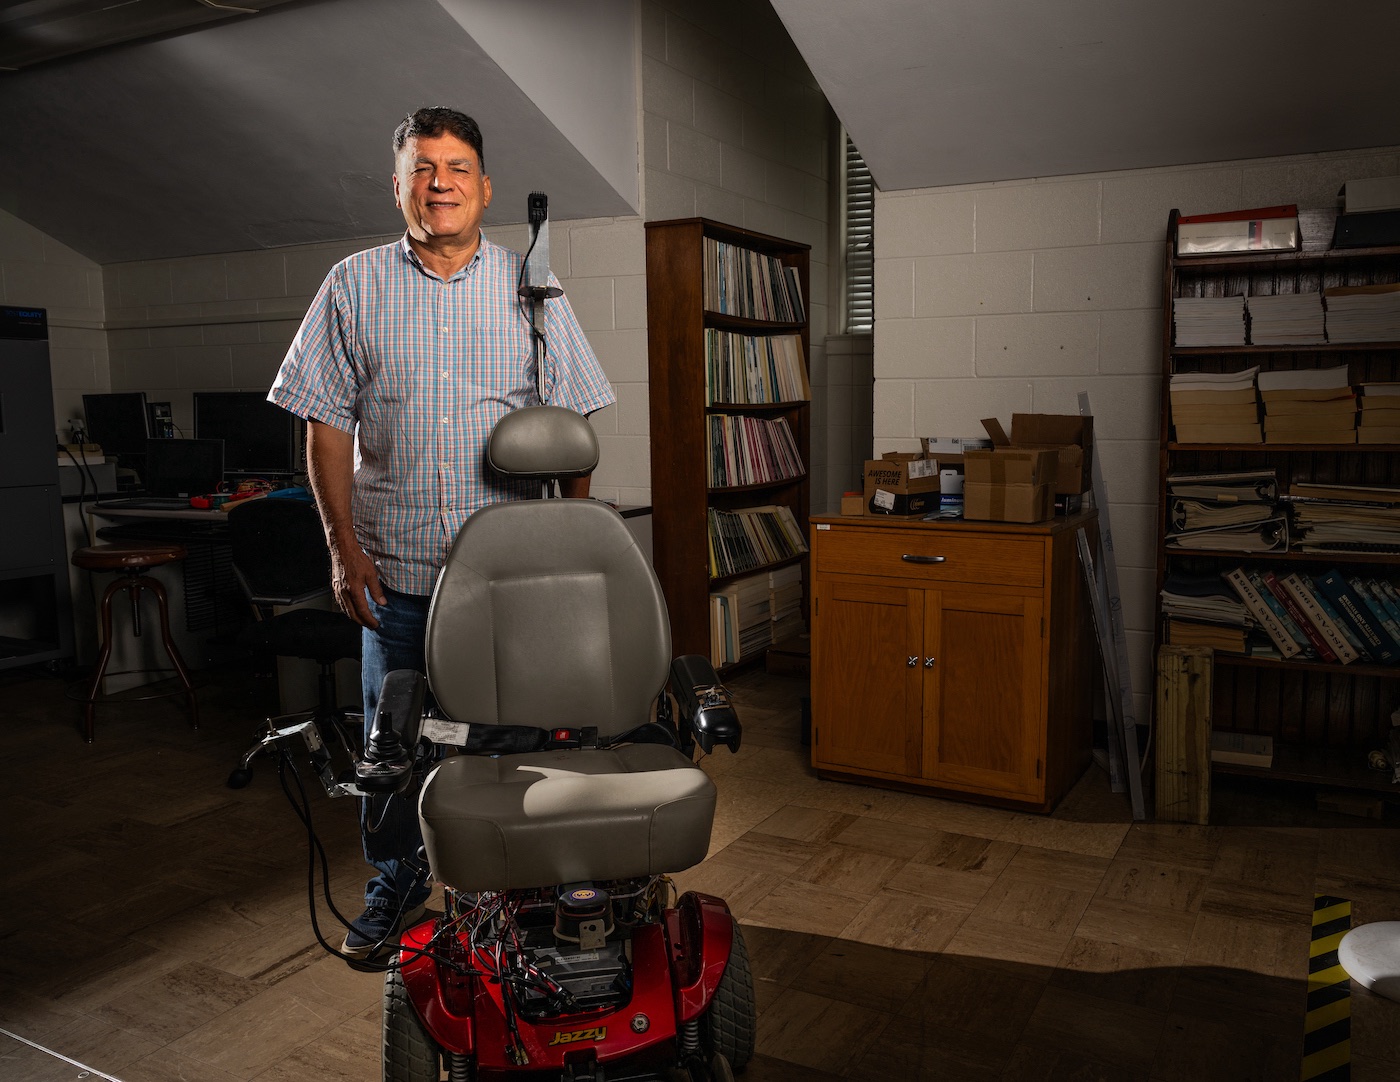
{"x":911,"y":558}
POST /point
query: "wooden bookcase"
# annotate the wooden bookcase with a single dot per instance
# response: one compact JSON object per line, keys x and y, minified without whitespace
{"x":1323,"y":717}
{"x":676,"y":323}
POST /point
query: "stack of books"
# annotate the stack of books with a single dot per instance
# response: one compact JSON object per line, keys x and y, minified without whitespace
{"x":742,"y":282}
{"x":1308,"y":405}
{"x":1215,"y":407}
{"x":1242,"y":749}
{"x":1227,"y":511}
{"x":1345,"y":518}
{"x":1380,"y":413}
{"x":748,"y":450}
{"x":1331,"y":617}
{"x":1209,"y":321}
{"x":740,"y":620}
{"x":747,"y":539}
{"x":1363,"y":313}
{"x":785,"y":602}
{"x":1286,"y":319}
{"x":746,"y":368}
{"x":1201,"y":611}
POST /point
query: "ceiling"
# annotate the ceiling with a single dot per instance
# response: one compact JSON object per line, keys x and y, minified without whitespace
{"x":938,"y":92}
{"x":272,"y":128}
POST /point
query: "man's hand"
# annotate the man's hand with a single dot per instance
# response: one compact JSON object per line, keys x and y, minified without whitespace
{"x":352,"y":574}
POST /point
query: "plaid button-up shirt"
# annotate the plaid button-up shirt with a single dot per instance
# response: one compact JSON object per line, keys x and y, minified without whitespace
{"x":421,"y":369}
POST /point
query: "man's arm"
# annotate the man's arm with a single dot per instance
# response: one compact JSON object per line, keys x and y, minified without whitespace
{"x":330,"y":464}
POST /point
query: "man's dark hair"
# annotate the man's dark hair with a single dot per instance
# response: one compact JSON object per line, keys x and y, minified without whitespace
{"x":439,"y":120}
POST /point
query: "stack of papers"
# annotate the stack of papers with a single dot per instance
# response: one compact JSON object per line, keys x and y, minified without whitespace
{"x":1286,"y":319}
{"x":1380,"y":413}
{"x":1308,"y":405}
{"x":1215,"y":407}
{"x":1363,"y":313}
{"x":1209,"y":321}
{"x":1346,"y":518}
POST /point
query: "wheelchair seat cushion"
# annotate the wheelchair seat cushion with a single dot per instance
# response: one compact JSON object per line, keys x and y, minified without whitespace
{"x":545,"y":818}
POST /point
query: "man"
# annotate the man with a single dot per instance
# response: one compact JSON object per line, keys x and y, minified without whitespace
{"x":408,"y":356}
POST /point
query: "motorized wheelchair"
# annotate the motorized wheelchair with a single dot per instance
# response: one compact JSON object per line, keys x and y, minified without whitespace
{"x":567,"y":795}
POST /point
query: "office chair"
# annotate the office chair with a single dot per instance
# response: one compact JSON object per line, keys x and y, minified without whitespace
{"x":280,"y":558}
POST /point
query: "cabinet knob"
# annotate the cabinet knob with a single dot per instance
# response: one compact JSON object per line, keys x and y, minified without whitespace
{"x":928,"y":662}
{"x":913,"y":661}
{"x":914,"y":558}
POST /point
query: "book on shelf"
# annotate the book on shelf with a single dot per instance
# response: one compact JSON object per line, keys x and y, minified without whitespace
{"x":1305,"y":645}
{"x":1230,"y":640}
{"x":1241,"y":749}
{"x":1363,"y":313}
{"x":746,"y":369}
{"x":1185,"y":515}
{"x":1209,"y":321}
{"x":1355,"y":493}
{"x":1225,"y":486}
{"x":748,"y":450}
{"x":741,"y":282}
{"x":1253,"y":230}
{"x":1264,"y":616}
{"x":1196,"y":395}
{"x":1320,"y":644}
{"x":1342,"y":406}
{"x":1377,"y":595}
{"x":1310,"y":428}
{"x":1351,"y":607}
{"x":1204,"y":599}
{"x":1286,"y":319}
{"x":747,"y":539}
{"x":1380,"y":396}
{"x":1271,"y":535}
{"x":1234,"y":433}
{"x":1313,"y":611}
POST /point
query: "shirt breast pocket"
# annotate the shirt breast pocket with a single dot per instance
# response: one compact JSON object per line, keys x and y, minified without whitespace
{"x":497,"y":361}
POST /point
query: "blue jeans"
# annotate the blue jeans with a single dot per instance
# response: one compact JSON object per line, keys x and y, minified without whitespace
{"x":389,"y":825}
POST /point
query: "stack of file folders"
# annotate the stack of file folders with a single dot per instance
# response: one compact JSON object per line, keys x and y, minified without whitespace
{"x":1308,"y":405}
{"x":1215,"y":407}
{"x":1286,"y":319}
{"x":1379,"y":419}
{"x":1363,"y":313}
{"x":1345,"y":518}
{"x":1228,"y":511}
{"x":1209,"y":321}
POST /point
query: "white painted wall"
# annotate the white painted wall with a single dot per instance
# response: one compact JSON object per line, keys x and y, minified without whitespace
{"x":1013,"y":297}
{"x":38,"y":271}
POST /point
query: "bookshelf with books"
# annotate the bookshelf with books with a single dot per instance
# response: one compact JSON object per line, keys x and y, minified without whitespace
{"x":728,"y":347}
{"x":1300,"y":492}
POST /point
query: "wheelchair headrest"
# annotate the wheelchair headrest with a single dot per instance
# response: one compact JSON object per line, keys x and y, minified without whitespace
{"x":542,"y":442}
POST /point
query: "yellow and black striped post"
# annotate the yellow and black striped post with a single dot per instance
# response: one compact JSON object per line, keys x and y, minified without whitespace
{"x":1327,"y":1030}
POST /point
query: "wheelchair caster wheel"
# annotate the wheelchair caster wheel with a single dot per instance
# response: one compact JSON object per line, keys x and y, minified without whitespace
{"x":239,"y":778}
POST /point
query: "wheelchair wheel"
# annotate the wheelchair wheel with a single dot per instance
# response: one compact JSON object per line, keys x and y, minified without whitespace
{"x":730,"y":1017}
{"x":409,"y":1053}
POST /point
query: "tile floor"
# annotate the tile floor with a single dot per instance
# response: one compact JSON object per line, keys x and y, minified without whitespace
{"x":155,"y":923}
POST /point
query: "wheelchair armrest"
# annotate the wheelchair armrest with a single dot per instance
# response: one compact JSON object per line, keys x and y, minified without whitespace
{"x":704,"y":705}
{"x":387,"y":765}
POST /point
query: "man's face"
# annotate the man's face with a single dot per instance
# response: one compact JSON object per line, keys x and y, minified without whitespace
{"x":441,"y":189}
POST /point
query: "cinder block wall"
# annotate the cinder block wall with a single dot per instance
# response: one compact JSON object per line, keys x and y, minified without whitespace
{"x":1013,"y":297}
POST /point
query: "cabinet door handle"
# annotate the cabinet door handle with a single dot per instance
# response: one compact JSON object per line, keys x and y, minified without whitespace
{"x":913,"y":661}
{"x":914,"y":558}
{"x":928,"y":662}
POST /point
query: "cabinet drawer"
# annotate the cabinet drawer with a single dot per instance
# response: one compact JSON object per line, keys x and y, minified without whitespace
{"x":915,"y":554}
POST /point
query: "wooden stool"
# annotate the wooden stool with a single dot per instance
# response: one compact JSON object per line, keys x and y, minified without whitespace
{"x":132,"y":560}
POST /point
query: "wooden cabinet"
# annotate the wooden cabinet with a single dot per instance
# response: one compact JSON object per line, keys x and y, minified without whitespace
{"x":1322,"y":717}
{"x":678,"y":320}
{"x":953,"y":657}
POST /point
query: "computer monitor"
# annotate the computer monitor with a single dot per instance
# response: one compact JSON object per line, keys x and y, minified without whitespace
{"x":260,"y":439}
{"x":121,"y":424}
{"x":184,"y":467}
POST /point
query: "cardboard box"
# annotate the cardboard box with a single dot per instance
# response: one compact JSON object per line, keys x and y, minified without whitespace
{"x":852,"y":503}
{"x":1008,"y":502}
{"x":902,"y":484}
{"x":1009,"y":466}
{"x":1070,"y":436}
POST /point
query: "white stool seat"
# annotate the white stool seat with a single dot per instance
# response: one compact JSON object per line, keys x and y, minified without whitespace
{"x":1371,"y":956}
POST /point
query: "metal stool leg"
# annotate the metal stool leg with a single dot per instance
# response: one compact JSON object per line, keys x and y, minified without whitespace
{"x":147,"y":583}
{"x":89,"y":726}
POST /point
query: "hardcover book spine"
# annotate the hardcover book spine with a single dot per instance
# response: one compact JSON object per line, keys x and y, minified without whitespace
{"x":1261,"y":587}
{"x":1366,"y":591}
{"x":1313,"y":612}
{"x":1320,"y":644}
{"x":1260,"y":610}
{"x":1351,"y":608}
